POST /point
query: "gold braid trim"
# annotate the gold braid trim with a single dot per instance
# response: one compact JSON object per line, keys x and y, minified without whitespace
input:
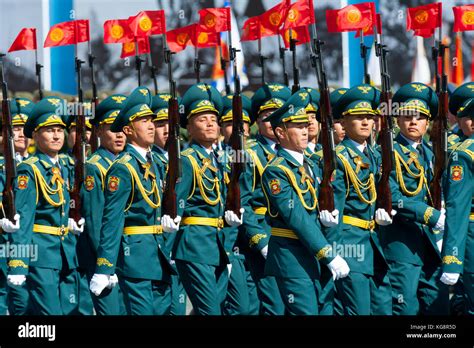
{"x":17,"y":263}
{"x":323,"y":252}
{"x":257,"y":164}
{"x":255,"y":239}
{"x":143,"y":191}
{"x":291,"y":176}
{"x":449,"y":259}
{"x":358,"y":185}
{"x":47,"y":190}
{"x":198,"y":177}
{"x":102,"y":261}
{"x":428,"y":214}
{"x":421,"y":175}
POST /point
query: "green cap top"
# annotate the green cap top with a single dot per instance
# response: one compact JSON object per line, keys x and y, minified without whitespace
{"x":20,"y":109}
{"x":294,"y":110}
{"x":199,"y":98}
{"x":358,"y":100}
{"x":416,"y":96}
{"x":460,"y":99}
{"x":269,"y":96}
{"x":108,"y":109}
{"x":47,"y":112}
{"x":136,"y":106}
{"x":227,"y":109}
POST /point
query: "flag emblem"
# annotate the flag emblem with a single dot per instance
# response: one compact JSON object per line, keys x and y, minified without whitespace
{"x":354,"y":16}
{"x":210,"y":20}
{"x":293,"y":15}
{"x":113,"y":183}
{"x":129,"y":47}
{"x":468,"y":18}
{"x":275,"y":19}
{"x":117,"y":32}
{"x":421,"y":16}
{"x":182,"y":38}
{"x":203,"y":38}
{"x":89,"y":182}
{"x":57,"y":34}
{"x":145,"y":24}
{"x":22,"y":182}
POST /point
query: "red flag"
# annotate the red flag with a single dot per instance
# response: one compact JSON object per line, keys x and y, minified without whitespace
{"x":369,"y":30}
{"x":424,"y":17}
{"x":458,"y":70}
{"x":179,"y":38}
{"x":128,"y":48}
{"x":68,"y":33}
{"x":215,"y":19}
{"x":350,"y":18}
{"x":425,"y":33}
{"x":272,"y":19}
{"x":26,"y":40}
{"x":251,"y":29}
{"x":117,"y":31}
{"x":147,"y":23}
{"x":299,"y":14}
{"x":301,"y":34}
{"x":463,"y":18}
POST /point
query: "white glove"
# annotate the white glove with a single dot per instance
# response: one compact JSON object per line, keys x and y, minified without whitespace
{"x":229,"y":267}
{"x":16,"y":280}
{"x":169,"y":225}
{"x":440,"y":224}
{"x":449,"y":278}
{"x":339,"y":268}
{"x":329,"y":219}
{"x":9,"y":226}
{"x":113,"y":280}
{"x":98,"y":283}
{"x":264,"y":251}
{"x":440,"y":245}
{"x":382,"y":218}
{"x":232,"y":219}
{"x":76,"y":228}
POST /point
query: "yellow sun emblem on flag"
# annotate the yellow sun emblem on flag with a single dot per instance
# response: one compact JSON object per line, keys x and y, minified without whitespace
{"x":117,"y":31}
{"x":203,"y":38}
{"x":57,"y":34}
{"x":421,"y":16}
{"x":293,"y":15}
{"x":129,"y":47}
{"x":275,"y":19}
{"x":210,"y":20}
{"x":182,"y":38}
{"x":145,"y":24}
{"x":354,"y":15}
{"x":468,"y":18}
{"x":294,"y":35}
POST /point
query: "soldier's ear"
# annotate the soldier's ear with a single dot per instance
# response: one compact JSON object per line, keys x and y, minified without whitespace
{"x":127,"y":130}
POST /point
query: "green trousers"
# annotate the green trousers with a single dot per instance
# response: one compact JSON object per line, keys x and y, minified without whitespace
{"x":18,"y":300}
{"x":3,"y":294}
{"x":362,"y":294}
{"x":145,"y":297}
{"x":468,"y":280}
{"x":109,"y":302}
{"x":178,"y":297}
{"x":300,"y":295}
{"x":206,"y":286}
{"x":417,"y":289}
{"x":237,"y":301}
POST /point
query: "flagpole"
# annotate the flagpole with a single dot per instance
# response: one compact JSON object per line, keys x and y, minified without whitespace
{"x":224,"y":67}
{"x":138,"y":63}
{"x":197,"y":64}
{"x":363,"y":54}
{"x":296,"y":73}
{"x":152,"y":67}
{"x":38,"y":73}
{"x":261,"y":59}
{"x":282,"y":57}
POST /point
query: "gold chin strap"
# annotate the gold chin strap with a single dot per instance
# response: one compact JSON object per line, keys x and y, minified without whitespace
{"x":145,"y":193}
{"x":399,"y":161}
{"x":198,"y":177}
{"x":47,"y":190}
{"x":358,"y":185}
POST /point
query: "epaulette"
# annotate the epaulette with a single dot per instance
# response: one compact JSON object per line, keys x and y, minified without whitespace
{"x":187,"y":152}
{"x":30,"y":160}
{"x":275,"y":161}
{"x":352,"y":152}
{"x":464,"y":147}
{"x":319,"y":153}
{"x":125,"y":159}
{"x":404,"y":149}
{"x":340,"y":148}
{"x":453,"y":139}
{"x":94,"y":159}
{"x":67,"y":157}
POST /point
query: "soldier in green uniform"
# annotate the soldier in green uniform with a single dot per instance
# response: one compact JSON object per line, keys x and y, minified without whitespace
{"x":456,"y":99}
{"x":314,"y":126}
{"x":240,"y":292}
{"x":42,"y":201}
{"x":366,"y":290}
{"x":339,"y":132}
{"x":199,"y":249}
{"x":160,"y":108}
{"x":92,"y":195}
{"x":266,"y":100}
{"x":297,"y":246}
{"x":412,"y":243}
{"x":459,"y":197}
{"x":20,"y":110}
{"x":131,"y":236}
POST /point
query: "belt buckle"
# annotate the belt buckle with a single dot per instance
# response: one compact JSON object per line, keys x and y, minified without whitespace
{"x":220,"y":222}
{"x":371,"y":225}
{"x":62,"y":231}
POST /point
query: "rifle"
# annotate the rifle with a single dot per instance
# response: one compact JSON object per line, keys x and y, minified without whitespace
{"x":296,"y":72}
{"x":224,"y":68}
{"x":439,"y":133}
{"x":8,"y":199}
{"x":326,"y":192}
{"x":286,"y":81}
{"x":384,"y":193}
{"x":95,"y":141}
{"x":79,"y":150}
{"x":261,"y":59}
{"x":172,"y":144}
{"x":237,"y":144}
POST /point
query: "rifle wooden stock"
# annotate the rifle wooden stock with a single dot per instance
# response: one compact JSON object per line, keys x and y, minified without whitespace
{"x":237,"y":165}
{"x":384,"y":193}
{"x":326,"y":192}
{"x":8,"y":199}
{"x":439,"y":141}
{"x":174,"y":162}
